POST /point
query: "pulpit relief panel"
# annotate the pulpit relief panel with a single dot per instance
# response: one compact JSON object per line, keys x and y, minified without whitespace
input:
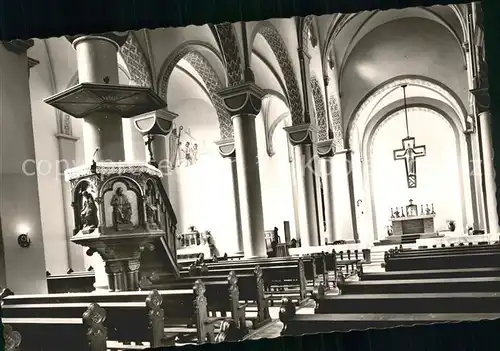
{"x":121,"y":205}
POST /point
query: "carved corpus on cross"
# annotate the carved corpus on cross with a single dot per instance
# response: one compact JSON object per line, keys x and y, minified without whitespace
{"x":409,"y":152}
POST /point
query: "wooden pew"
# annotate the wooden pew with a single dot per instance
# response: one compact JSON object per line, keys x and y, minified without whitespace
{"x":431,"y":274}
{"x":187,"y":261}
{"x":240,"y":290}
{"x":278,"y":280}
{"x":44,"y":325}
{"x":439,"y":285}
{"x":411,"y":303}
{"x":447,"y":250}
{"x":71,"y":282}
{"x":443,"y":261}
{"x":185,"y":311}
{"x":308,"y":262}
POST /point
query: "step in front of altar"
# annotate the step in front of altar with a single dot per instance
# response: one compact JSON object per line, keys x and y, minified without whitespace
{"x":406,"y":238}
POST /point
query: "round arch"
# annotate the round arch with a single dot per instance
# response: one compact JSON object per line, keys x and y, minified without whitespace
{"x":360,"y":113}
{"x":188,"y":51}
{"x":277,"y":45}
{"x":368,"y":135}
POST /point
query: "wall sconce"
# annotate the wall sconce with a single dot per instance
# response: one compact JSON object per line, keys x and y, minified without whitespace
{"x":23,"y":239}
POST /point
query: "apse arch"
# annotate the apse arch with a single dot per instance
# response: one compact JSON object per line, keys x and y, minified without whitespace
{"x":280,"y":51}
{"x":188,"y":51}
{"x":436,"y":107}
{"x":363,"y":112}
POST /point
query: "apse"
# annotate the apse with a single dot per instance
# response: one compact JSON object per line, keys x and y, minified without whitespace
{"x":438,"y":171}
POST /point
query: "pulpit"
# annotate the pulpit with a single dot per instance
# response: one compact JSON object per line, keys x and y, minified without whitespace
{"x":119,"y":211}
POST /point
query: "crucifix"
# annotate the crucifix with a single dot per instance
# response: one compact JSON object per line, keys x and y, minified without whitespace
{"x":148,"y":142}
{"x":409,"y":152}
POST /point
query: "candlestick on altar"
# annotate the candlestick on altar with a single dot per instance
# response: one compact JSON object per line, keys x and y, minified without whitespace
{"x":402,"y":211}
{"x":432,"y":205}
{"x":392,"y":213}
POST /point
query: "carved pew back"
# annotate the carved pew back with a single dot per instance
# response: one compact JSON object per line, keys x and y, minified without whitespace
{"x":307,"y":261}
{"x":71,"y":282}
{"x":222,"y":294}
{"x":50,"y":321}
{"x":290,"y":274}
{"x":250,"y":291}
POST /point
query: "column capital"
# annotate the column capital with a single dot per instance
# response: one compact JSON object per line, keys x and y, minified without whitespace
{"x":157,"y":122}
{"x":326,"y":148}
{"x":118,"y":39}
{"x":343,"y":152}
{"x":226,"y":147}
{"x":245,"y":98}
{"x":482,"y":99}
{"x":302,"y":134}
{"x":18,"y":46}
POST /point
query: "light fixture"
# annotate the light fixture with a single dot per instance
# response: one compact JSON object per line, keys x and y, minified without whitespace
{"x":23,"y":239}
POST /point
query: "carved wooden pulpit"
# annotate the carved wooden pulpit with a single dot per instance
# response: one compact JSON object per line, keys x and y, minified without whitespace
{"x":118,"y":213}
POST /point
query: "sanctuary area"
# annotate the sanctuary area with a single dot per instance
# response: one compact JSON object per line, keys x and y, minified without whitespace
{"x":247,"y":180}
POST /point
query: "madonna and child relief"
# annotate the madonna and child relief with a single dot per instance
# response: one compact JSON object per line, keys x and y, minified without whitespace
{"x":372,"y":135}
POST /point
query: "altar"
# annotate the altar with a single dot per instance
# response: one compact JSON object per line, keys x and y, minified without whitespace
{"x":413,"y":225}
{"x":406,"y":220}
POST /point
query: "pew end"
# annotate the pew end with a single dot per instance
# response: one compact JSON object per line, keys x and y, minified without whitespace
{"x":287,"y":312}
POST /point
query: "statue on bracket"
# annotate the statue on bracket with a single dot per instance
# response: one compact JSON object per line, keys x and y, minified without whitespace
{"x":122,"y":210}
{"x":88,"y":212}
{"x":151,"y":206}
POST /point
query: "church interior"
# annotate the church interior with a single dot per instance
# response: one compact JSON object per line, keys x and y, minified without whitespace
{"x":288,"y":164}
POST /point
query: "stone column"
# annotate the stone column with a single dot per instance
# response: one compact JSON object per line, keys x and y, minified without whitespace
{"x":326,"y":150}
{"x":227,"y":150}
{"x":482,"y":106}
{"x":343,"y":215}
{"x":21,"y":269}
{"x":155,"y":127}
{"x":490,"y":187}
{"x":243,"y":103}
{"x":98,"y":63}
{"x":303,"y":139}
